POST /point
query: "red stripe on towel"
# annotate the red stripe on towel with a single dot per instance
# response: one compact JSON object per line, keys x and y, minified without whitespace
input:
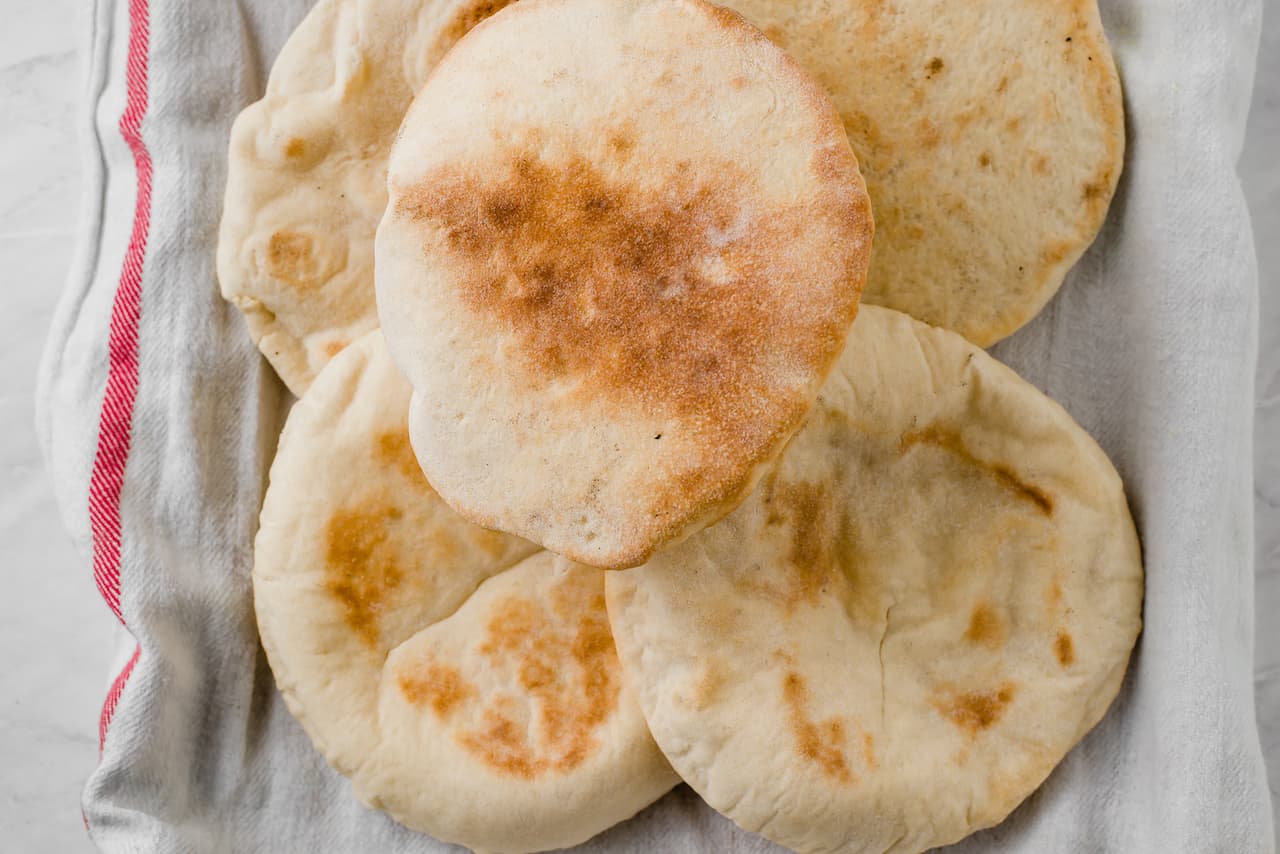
{"x":113,"y":697}
{"x":116,"y":420}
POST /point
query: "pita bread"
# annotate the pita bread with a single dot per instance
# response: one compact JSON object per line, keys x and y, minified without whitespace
{"x":929,"y":600}
{"x":623,"y":247}
{"x":990,"y":134}
{"x":306,"y":179}
{"x":466,"y":682}
{"x":991,"y":154}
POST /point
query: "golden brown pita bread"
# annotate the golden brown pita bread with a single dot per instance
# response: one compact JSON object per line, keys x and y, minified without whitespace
{"x":990,"y":134}
{"x":991,"y":154}
{"x":623,"y":247}
{"x":306,"y":181}
{"x":928,"y":601}
{"x":466,"y":682}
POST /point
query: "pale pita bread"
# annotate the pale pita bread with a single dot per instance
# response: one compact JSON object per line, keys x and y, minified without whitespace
{"x":623,"y":247}
{"x":306,"y":180}
{"x":990,"y":134}
{"x":466,"y":682}
{"x":930,"y":598}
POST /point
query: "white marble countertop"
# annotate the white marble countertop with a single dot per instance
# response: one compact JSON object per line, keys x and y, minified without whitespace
{"x":55,"y":633}
{"x":1260,"y":174}
{"x":56,"y":637}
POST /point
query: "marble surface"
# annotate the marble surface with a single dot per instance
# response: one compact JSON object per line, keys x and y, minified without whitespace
{"x":55,"y":633}
{"x":1260,"y":175}
{"x":56,"y":637}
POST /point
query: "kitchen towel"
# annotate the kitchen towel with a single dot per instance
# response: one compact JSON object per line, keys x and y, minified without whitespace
{"x":158,"y":419}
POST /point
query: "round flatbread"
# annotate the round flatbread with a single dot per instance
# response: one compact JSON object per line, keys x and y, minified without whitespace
{"x":991,"y":154}
{"x":623,"y":247}
{"x":306,"y":172}
{"x":990,"y":134}
{"x":465,"y":681}
{"x":929,"y":600}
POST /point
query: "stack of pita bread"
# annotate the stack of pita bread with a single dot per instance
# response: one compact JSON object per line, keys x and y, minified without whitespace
{"x":599,"y":478}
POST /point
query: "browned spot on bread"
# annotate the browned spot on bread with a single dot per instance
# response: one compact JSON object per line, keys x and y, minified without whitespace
{"x":731,"y":20}
{"x":976,"y":711}
{"x":985,"y":627}
{"x":290,"y":257}
{"x":927,"y":133}
{"x":503,"y":745}
{"x":1040,"y":164}
{"x":562,"y":657}
{"x":1056,"y":252}
{"x":961,"y":120}
{"x":295,"y":147}
{"x":708,"y":686}
{"x":1002,"y":85}
{"x":467,"y":16}
{"x":1064,"y":649}
{"x":935,"y":66}
{"x":362,"y":566}
{"x":860,"y":126}
{"x":1094,"y":190}
{"x":333,"y":348}
{"x":810,"y":509}
{"x":621,"y":142}
{"x":1005,"y":476}
{"x":665,"y":297}
{"x":439,"y":686}
{"x":739,"y":82}
{"x":869,"y":751}
{"x":984,"y":159}
{"x":821,"y":743}
{"x":1054,"y":595}
{"x":1014,"y":124}
{"x":1030,"y":492}
{"x":816,"y":553}
{"x":392,"y":448}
